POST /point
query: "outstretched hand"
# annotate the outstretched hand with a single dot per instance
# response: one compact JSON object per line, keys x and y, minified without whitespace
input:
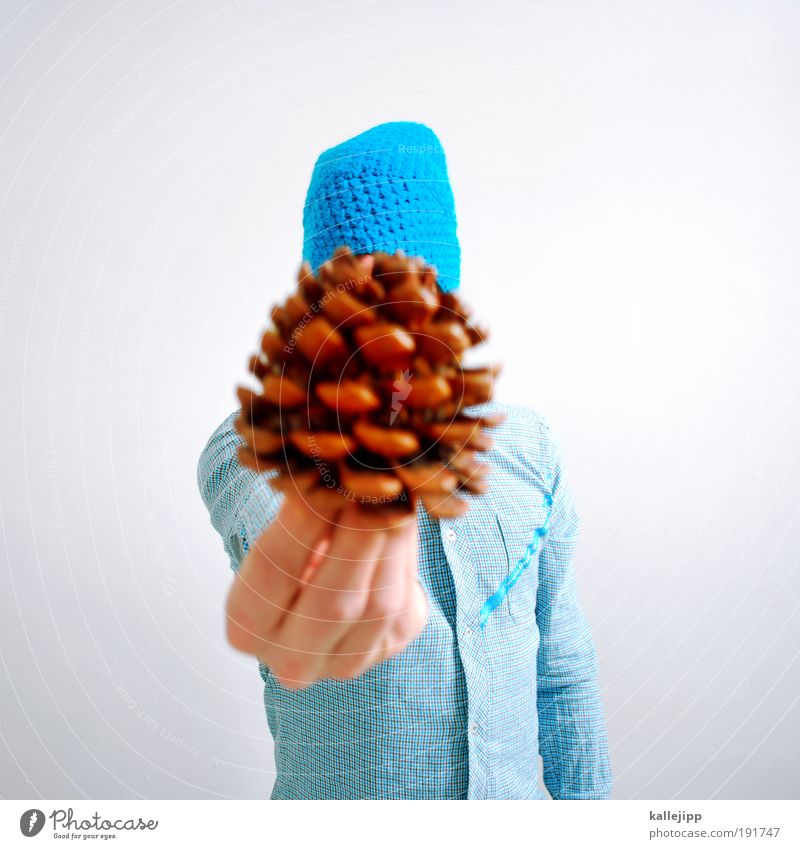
{"x":327,"y":591}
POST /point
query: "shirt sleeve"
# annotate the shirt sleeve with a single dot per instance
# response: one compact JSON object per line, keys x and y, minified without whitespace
{"x":572,"y":731}
{"x":240,"y":502}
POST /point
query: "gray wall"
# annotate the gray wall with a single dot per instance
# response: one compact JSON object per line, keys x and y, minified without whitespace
{"x":627,"y":183}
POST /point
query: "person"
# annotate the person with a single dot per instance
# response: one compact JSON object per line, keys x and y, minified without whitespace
{"x":418,"y":658}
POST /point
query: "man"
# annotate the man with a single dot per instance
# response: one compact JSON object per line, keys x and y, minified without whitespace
{"x":419,"y":658}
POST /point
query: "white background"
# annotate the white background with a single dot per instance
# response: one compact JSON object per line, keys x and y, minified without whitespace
{"x":627,"y":180}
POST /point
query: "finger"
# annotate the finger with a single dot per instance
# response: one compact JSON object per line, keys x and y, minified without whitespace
{"x":409,"y":627}
{"x":300,"y":524}
{"x":268,"y":579}
{"x":316,"y":557}
{"x":331,"y":602}
{"x":365,"y":644}
{"x":360,"y":647}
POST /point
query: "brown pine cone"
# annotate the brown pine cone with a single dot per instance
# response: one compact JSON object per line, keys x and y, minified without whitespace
{"x":363,"y":389}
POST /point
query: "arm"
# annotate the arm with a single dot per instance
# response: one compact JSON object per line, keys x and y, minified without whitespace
{"x":240,"y":502}
{"x":572,"y":731}
{"x":323,"y":589}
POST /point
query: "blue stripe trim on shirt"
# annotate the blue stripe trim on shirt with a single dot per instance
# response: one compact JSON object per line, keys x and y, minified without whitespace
{"x":496,"y":599}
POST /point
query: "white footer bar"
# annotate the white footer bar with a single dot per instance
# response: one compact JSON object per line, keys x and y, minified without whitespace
{"x":410,"y":825}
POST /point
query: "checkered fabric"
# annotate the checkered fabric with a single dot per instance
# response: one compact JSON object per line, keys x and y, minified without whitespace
{"x":465,"y":710}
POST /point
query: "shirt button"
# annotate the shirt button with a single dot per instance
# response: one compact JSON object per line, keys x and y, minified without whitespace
{"x":473,"y":729}
{"x":468,"y":633}
{"x":450,"y":534}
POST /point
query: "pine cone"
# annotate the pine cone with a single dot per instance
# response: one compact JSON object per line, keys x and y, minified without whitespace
{"x":363,"y":388}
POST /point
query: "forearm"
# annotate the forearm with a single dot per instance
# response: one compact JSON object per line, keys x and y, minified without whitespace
{"x":240,"y":502}
{"x":572,"y":732}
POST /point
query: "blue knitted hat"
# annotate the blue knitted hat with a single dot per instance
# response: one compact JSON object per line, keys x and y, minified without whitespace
{"x":382,"y":190}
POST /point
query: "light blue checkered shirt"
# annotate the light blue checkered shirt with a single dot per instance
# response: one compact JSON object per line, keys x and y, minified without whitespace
{"x":465,"y":710}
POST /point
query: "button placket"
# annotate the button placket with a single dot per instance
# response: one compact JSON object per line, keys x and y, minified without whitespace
{"x":461,"y":560}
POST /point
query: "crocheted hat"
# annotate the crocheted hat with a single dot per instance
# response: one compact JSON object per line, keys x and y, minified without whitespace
{"x":384,"y":190}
